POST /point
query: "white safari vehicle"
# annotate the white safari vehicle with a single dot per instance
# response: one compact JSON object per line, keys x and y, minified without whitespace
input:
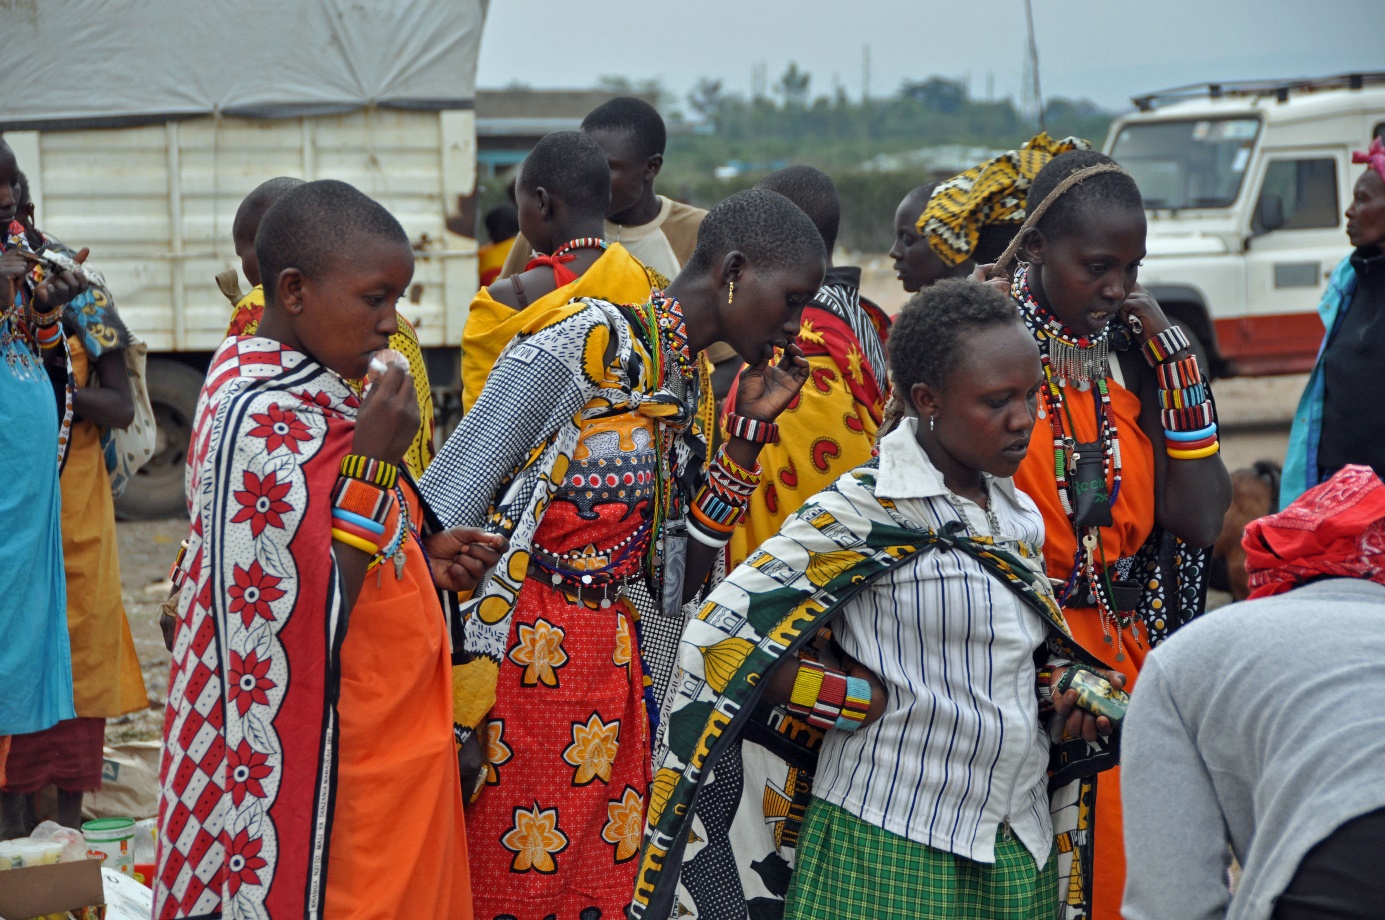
{"x":141,"y":140}
{"x":1245,"y":185}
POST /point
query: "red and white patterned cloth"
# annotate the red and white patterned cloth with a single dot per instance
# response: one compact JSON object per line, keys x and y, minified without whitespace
{"x":1336,"y":529}
{"x":247,"y":773}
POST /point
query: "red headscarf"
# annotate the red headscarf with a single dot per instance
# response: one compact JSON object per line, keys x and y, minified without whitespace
{"x":1335,"y":529}
{"x":1374,"y":156}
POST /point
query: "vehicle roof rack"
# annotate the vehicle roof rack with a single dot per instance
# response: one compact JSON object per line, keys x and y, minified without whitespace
{"x":1280,"y":89}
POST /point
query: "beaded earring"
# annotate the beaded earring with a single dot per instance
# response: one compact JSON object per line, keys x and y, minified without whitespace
{"x":730,"y":291}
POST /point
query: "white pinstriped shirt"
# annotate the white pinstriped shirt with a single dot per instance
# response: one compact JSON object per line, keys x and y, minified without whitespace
{"x":960,"y":749}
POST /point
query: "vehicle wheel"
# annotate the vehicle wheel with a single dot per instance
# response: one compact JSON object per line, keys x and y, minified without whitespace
{"x":157,"y":489}
{"x":1195,"y":346}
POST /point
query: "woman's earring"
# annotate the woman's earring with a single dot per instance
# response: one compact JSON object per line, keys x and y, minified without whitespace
{"x":932,"y":420}
{"x":730,"y":291}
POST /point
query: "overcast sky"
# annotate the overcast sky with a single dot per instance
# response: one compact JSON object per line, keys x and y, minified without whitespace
{"x":1104,"y":50}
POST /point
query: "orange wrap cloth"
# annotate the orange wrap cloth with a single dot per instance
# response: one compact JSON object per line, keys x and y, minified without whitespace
{"x":1133,"y":513}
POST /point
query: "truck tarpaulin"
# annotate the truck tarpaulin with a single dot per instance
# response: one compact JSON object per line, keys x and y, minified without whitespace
{"x":107,"y":63}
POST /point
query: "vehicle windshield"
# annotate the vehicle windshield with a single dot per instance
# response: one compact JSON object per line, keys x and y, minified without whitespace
{"x":1187,"y":164}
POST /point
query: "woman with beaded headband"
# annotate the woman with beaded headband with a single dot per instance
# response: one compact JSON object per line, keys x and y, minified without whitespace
{"x":1123,"y":461}
{"x":1334,"y":426}
{"x":582,"y":450}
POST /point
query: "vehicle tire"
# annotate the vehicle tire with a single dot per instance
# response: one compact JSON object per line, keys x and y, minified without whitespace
{"x":157,"y":489}
{"x":1195,"y":346}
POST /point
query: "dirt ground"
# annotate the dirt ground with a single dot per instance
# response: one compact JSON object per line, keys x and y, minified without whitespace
{"x":1255,"y":416}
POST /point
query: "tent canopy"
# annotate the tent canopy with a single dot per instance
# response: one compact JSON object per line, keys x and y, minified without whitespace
{"x":95,"y":63}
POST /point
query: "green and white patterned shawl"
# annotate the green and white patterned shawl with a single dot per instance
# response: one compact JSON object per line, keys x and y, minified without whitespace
{"x":834,"y":547}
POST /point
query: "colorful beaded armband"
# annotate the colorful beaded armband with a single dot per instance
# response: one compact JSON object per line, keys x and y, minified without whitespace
{"x":753,"y":430}
{"x":856,"y":705}
{"x":368,"y":469}
{"x":1169,"y":342}
{"x":361,"y":498}
{"x":1177,"y":375}
{"x":720,"y":503}
{"x":1183,"y":398}
{"x":1191,"y":418}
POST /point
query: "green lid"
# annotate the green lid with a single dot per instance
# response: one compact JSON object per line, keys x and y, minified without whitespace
{"x":109,"y":828}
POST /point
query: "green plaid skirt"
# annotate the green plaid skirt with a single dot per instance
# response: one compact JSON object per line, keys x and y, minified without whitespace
{"x":846,"y":869}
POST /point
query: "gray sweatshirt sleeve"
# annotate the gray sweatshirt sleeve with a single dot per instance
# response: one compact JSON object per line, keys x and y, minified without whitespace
{"x":1175,"y":836}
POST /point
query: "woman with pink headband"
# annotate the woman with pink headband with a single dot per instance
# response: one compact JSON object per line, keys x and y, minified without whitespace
{"x":1334,"y":425}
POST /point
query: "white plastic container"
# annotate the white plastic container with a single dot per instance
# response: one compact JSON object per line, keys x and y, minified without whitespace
{"x":112,"y":841}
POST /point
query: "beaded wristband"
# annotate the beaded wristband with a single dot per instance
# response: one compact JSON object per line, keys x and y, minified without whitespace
{"x":723,"y":460}
{"x":1191,"y":418}
{"x":362,"y":498}
{"x":1169,"y":342}
{"x":806,"y":685}
{"x":827,"y":708}
{"x":721,"y":502}
{"x":1175,"y":375}
{"x":1184,"y":436}
{"x":368,"y":469}
{"x":1184,"y":397}
{"x":1194,"y":454}
{"x":855,"y":706}
{"x":355,"y":542}
{"x":753,"y":430}
{"x":47,"y":320}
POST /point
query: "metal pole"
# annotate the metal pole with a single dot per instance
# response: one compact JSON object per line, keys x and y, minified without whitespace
{"x":1034,"y":62}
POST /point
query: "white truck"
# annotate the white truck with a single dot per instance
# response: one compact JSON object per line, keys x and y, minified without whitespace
{"x":141,"y":142}
{"x":1245,"y":185}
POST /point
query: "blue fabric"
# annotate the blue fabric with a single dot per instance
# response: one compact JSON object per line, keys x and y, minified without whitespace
{"x":1301,"y":459}
{"x":35,"y":661}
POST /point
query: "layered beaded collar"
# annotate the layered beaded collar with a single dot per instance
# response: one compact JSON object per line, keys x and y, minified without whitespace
{"x":1077,"y":360}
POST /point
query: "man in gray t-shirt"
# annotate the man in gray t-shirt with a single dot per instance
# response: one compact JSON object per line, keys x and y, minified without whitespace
{"x":1260,"y":726}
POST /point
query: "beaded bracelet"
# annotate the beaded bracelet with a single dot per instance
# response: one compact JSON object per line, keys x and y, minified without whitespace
{"x":361,"y":498}
{"x":1194,"y":454}
{"x":721,"y":502}
{"x":753,"y":430}
{"x":1190,"y":418}
{"x":1184,"y":397}
{"x":856,"y":705}
{"x":368,"y":469}
{"x":1169,"y":342}
{"x":1176,"y":375}
{"x":45,"y":320}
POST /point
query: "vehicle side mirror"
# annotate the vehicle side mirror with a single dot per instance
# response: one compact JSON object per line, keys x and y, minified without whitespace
{"x":1269,"y":213}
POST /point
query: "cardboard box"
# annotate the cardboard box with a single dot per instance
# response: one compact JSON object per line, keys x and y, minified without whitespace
{"x":38,"y":890}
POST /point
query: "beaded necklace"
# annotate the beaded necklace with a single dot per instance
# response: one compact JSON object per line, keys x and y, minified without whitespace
{"x":1081,"y":359}
{"x":582,"y":242}
{"x":17,"y":340}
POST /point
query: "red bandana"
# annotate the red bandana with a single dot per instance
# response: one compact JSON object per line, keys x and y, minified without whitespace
{"x":1335,"y":529}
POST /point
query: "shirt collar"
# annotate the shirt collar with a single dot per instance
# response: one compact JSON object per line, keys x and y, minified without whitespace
{"x":906,"y":472}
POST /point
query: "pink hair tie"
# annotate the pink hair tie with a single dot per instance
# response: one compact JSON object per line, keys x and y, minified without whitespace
{"x":1374,"y":156}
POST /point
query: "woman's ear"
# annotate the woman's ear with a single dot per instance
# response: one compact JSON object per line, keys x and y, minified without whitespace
{"x":924,"y":400}
{"x":732,"y":267}
{"x":1032,"y":246}
{"x":289,"y":290}
{"x":545,"y":201}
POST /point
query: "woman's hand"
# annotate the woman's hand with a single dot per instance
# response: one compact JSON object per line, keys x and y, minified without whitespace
{"x":388,"y":421}
{"x":767,"y":388}
{"x":982,"y":273}
{"x":1146,"y":312}
{"x":460,"y":557}
{"x":1078,"y":722}
{"x":60,"y":288}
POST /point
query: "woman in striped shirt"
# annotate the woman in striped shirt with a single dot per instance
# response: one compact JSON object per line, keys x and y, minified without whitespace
{"x":930,"y":798}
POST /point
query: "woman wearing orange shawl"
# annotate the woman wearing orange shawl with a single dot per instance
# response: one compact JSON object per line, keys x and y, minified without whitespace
{"x":1123,"y":463}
